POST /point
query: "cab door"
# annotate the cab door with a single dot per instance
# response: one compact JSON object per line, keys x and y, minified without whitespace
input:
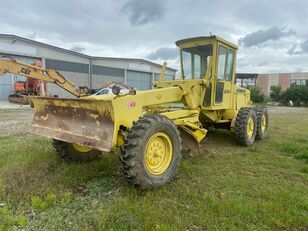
{"x":224,"y":76}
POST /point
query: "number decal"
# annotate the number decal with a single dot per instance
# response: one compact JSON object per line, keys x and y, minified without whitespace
{"x":131,"y":104}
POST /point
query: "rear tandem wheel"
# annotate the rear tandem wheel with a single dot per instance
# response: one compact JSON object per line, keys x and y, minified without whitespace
{"x":262,"y":122}
{"x":246,"y":126}
{"x":75,"y":152}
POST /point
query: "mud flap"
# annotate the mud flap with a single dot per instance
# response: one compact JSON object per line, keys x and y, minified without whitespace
{"x":79,"y":121}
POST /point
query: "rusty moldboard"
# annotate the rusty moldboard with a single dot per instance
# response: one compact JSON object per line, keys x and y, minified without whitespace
{"x":84,"y":122}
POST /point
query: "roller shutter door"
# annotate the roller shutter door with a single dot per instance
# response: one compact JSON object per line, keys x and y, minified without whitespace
{"x":140,"y":80}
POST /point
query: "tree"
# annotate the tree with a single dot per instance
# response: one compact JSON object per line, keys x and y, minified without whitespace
{"x":296,"y":94}
{"x":256,"y":95}
{"x":275,"y":93}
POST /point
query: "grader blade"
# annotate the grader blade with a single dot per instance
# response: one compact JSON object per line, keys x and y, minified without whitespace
{"x":78,"y":121}
{"x":189,"y":141}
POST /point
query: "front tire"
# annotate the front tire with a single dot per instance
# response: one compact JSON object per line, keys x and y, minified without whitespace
{"x":246,"y":126}
{"x":151,"y":152}
{"x":74,"y":152}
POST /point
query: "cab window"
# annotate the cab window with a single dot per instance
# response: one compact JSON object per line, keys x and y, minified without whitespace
{"x":230,"y":64}
{"x":195,"y":61}
{"x":187,"y":64}
{"x":225,"y":64}
{"x":222,"y":54}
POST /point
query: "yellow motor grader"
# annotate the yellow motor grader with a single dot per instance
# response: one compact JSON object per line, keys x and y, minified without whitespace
{"x":151,"y":127}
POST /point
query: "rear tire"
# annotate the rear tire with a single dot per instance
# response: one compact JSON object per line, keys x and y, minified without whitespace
{"x":69,"y":152}
{"x":151,"y":152}
{"x":246,"y":126}
{"x":262,"y":122}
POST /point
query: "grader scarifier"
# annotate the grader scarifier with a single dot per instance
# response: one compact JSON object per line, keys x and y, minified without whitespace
{"x":151,"y":127}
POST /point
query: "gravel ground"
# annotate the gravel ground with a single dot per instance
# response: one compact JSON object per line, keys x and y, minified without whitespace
{"x":13,"y":121}
{"x":8,"y":105}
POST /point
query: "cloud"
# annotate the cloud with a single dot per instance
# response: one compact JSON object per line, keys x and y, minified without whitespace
{"x":131,"y":28}
{"x":78,"y":49}
{"x":297,"y":49}
{"x":292,"y":50}
{"x":261,"y":36}
{"x":143,"y":12}
{"x":304,"y":46}
{"x":165,"y":53}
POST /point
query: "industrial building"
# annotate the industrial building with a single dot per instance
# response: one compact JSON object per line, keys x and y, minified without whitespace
{"x":265,"y":81}
{"x":285,"y":80}
{"x":81,"y":69}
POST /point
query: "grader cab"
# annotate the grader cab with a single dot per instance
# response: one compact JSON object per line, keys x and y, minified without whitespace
{"x":152,"y":127}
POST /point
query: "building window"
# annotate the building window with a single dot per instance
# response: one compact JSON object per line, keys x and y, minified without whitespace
{"x":299,"y":82}
{"x":109,"y":71}
{"x":67,"y":66}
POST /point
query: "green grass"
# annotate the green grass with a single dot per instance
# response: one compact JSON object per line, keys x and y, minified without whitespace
{"x":226,"y":187}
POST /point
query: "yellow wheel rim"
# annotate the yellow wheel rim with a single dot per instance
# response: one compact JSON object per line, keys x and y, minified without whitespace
{"x":158,"y":153}
{"x":250,"y":127}
{"x":263,"y":123}
{"x":81,"y":148}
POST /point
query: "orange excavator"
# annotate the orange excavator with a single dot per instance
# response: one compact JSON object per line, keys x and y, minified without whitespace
{"x":30,"y":87}
{"x":37,"y":78}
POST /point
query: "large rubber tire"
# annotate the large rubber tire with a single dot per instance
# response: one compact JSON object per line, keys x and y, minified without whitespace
{"x":241,"y":124}
{"x":262,"y":126}
{"x":69,"y":153}
{"x":134,"y":152}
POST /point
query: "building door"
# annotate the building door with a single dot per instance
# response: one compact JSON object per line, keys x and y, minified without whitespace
{"x":140,"y":80}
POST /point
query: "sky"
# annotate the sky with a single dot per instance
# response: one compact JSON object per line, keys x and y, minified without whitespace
{"x":272,"y":35}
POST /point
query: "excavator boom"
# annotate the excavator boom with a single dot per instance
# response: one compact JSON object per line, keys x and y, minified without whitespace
{"x":39,"y":73}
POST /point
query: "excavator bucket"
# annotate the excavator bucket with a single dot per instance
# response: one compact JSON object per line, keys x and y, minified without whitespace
{"x":85,"y":122}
